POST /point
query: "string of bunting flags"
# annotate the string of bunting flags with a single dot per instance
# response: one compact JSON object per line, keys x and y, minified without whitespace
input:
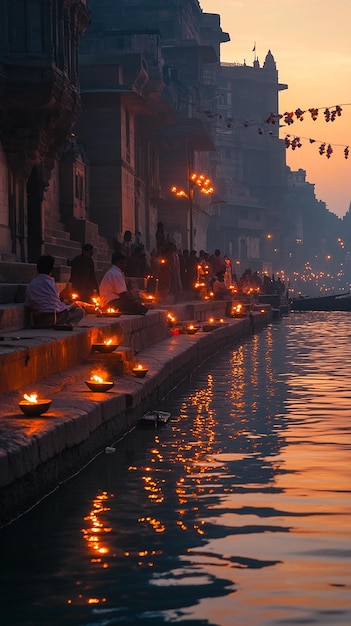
{"x":330,"y":113}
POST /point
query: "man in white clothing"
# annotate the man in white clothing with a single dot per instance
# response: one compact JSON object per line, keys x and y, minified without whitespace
{"x":114,"y":292}
{"x":43,"y":302}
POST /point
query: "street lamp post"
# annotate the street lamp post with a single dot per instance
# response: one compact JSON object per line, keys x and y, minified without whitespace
{"x":204,"y":185}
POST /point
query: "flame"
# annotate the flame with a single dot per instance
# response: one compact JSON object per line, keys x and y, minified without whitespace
{"x":139,"y":367}
{"x":191,"y":327}
{"x":171,"y":317}
{"x":74,"y":296}
{"x":32,"y":398}
{"x":238,"y":308}
{"x":211,"y":320}
{"x":96,"y":379}
{"x":112,"y":310}
{"x":107,"y":342}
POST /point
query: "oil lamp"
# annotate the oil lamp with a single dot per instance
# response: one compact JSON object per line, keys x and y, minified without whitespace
{"x":107,"y":346}
{"x":112,"y":312}
{"x":148,"y":298}
{"x":97,"y":383}
{"x":191,"y":329}
{"x":222,"y":322}
{"x":237,"y":310}
{"x":96,"y":301}
{"x":140,"y":370}
{"x":210,"y":325}
{"x":31,"y":406}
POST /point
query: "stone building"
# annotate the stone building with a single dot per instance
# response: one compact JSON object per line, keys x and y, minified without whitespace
{"x":142,"y":123}
{"x":39,"y":104}
{"x":250,"y":165}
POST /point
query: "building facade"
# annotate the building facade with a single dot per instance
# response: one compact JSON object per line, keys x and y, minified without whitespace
{"x":39,"y":104}
{"x":250,"y":165}
{"x":142,"y":124}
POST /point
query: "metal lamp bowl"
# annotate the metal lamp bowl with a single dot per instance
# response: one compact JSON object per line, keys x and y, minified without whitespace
{"x":104,"y":347}
{"x":31,"y":409}
{"x":95,"y":386}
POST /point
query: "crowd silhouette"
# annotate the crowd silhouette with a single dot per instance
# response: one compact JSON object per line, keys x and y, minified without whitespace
{"x":185,"y":271}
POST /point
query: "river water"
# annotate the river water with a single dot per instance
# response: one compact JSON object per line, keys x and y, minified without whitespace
{"x":236,"y":513}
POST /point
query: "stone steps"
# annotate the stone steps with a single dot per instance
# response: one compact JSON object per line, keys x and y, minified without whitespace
{"x":34,"y":354}
{"x":27,"y":355}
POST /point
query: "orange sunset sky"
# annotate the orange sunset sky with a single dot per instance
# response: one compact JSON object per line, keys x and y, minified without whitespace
{"x":310,"y":41}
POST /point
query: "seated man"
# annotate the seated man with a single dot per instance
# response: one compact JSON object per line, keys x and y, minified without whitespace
{"x":43,"y":300}
{"x":219,"y":289}
{"x":114,"y":292}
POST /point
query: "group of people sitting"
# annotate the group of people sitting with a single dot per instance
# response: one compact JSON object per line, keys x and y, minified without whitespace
{"x":47,"y":307}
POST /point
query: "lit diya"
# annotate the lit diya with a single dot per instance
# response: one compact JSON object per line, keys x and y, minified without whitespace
{"x":148,"y":297}
{"x":239,"y":310}
{"x":111,"y":312}
{"x":191,"y":329}
{"x":210,"y":325}
{"x":106,"y":346}
{"x":31,"y":406}
{"x":140,"y":371}
{"x":97,"y":383}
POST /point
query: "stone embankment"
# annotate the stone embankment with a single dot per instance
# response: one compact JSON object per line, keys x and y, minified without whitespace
{"x":38,"y":454}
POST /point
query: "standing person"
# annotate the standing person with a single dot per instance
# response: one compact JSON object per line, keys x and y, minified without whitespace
{"x":161,"y":239}
{"x":192,"y":269}
{"x":183,"y":259}
{"x":174,"y":268}
{"x":126,"y":245}
{"x":138,"y":264}
{"x":43,"y":302}
{"x":114,"y":292}
{"x":217,"y":263}
{"x":83,"y":279}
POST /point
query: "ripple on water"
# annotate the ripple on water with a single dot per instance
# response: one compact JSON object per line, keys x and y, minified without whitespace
{"x":236,"y":513}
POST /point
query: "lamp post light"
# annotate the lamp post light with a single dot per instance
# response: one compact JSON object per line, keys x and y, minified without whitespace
{"x":195,"y":181}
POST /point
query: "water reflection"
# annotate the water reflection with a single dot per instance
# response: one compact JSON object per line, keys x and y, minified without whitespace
{"x":237,"y":512}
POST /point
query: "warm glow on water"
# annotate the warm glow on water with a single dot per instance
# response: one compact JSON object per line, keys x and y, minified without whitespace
{"x":236,"y":513}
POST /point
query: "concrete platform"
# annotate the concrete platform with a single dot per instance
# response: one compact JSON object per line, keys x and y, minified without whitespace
{"x":38,"y":454}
